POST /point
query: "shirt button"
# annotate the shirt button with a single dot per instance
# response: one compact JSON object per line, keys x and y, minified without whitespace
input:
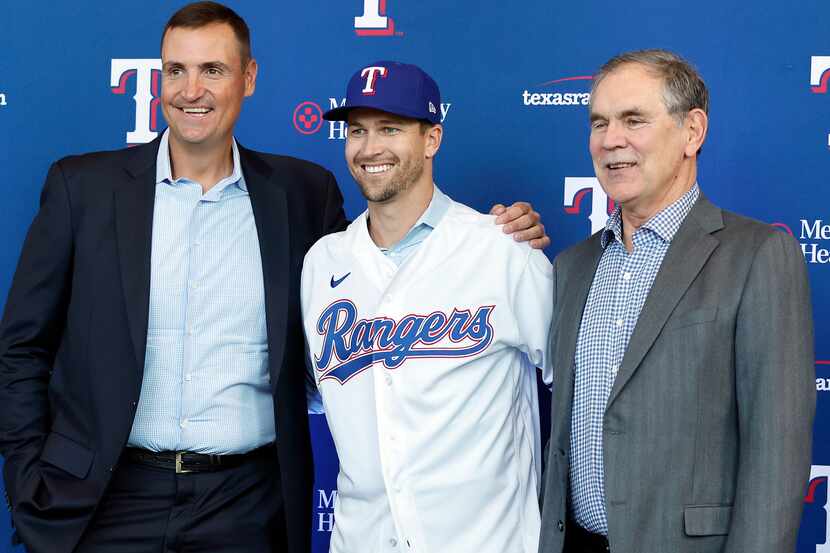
{"x":188,"y":377}
{"x":393,"y":542}
{"x":194,"y":285}
{"x":183,"y":424}
{"x":619,"y":322}
{"x":626,"y":276}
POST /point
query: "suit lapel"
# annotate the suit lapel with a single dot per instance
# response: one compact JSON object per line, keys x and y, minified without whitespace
{"x":270,"y":209}
{"x":575,"y":295}
{"x":686,"y":256}
{"x":134,"y":199}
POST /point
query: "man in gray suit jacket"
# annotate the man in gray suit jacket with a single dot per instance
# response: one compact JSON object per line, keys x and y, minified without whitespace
{"x":683,"y":391}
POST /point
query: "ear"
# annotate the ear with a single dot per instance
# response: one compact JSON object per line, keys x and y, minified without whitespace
{"x":433,"y":140}
{"x":696,"y":123}
{"x":250,"y":76}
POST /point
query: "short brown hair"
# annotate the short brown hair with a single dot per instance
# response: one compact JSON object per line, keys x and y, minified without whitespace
{"x":683,"y":87}
{"x":202,"y":14}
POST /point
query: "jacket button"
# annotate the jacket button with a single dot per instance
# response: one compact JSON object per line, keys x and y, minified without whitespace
{"x":561,"y":526}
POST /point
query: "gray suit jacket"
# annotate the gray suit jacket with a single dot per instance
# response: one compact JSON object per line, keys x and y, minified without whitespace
{"x":708,"y":428}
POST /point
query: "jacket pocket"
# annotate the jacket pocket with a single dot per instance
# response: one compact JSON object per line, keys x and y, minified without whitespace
{"x":66,"y":455}
{"x":705,"y":314}
{"x":707,"y":520}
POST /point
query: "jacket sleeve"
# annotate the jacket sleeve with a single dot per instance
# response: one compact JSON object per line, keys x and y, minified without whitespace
{"x":776,"y":395}
{"x":334,"y":218}
{"x":30,"y":334}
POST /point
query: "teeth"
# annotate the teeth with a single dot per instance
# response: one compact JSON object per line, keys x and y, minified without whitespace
{"x":196,"y":111}
{"x":620,"y":165}
{"x":372,"y":169}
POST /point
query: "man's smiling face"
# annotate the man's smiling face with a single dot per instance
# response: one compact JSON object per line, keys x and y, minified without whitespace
{"x":637,"y":146}
{"x":204,"y":80}
{"x":385,"y":153}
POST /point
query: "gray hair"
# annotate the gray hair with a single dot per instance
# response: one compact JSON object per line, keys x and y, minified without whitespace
{"x":683,"y":87}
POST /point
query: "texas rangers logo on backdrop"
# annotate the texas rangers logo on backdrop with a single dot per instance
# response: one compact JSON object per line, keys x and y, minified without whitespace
{"x":819,"y":75}
{"x":375,"y":20}
{"x":576,"y":188}
{"x":818,"y":479}
{"x":147,"y":73}
{"x":351,"y":345}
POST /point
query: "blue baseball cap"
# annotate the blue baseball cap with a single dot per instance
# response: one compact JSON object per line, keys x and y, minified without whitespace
{"x":393,"y":87}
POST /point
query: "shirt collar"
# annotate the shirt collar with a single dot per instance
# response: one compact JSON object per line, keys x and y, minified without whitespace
{"x":664,"y":224}
{"x":164,"y":172}
{"x":437,"y":208}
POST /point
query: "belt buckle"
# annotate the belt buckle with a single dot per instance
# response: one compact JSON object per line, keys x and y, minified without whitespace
{"x":179,"y":469}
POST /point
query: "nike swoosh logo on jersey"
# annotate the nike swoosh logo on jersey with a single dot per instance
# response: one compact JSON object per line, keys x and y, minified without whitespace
{"x":336,"y":283}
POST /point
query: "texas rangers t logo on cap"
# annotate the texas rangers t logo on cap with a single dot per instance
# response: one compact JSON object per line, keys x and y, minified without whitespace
{"x":371,"y":75}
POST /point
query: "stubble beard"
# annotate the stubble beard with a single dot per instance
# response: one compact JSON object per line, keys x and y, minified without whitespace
{"x":410,"y":172}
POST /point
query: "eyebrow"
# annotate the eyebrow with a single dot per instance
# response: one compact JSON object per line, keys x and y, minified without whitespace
{"x":204,"y":65}
{"x":631,"y":112}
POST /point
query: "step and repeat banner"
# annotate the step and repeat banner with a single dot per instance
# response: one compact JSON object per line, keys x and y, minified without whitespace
{"x":515,"y":81}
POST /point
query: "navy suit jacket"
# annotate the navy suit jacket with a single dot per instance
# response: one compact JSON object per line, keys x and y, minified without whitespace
{"x":74,"y":331}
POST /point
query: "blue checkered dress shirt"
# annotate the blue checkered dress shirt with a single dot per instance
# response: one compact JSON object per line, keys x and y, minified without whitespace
{"x":619,"y":290}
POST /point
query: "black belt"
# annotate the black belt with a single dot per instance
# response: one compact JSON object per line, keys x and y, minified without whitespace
{"x":581,"y":539}
{"x":185,"y":461}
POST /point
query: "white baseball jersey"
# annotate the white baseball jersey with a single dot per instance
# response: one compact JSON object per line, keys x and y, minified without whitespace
{"x":427,"y":378}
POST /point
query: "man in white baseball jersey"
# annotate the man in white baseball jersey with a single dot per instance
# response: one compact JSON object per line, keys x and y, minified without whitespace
{"x":424,"y":323}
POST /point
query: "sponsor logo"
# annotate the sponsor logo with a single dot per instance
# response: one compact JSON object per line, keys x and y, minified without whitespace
{"x":351,"y":345}
{"x":325,"y":510}
{"x":819,"y":76}
{"x":578,"y":97}
{"x":818,"y":478}
{"x":336,"y":283}
{"x":337,"y":129}
{"x":308,"y":118}
{"x":576,"y":188}
{"x":147,"y":73}
{"x":814,"y":237}
{"x":3,"y":101}
{"x":374,"y":21}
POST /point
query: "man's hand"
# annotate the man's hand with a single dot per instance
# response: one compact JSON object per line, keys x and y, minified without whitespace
{"x":523,"y":223}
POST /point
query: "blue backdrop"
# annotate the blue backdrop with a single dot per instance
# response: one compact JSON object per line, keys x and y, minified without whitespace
{"x":78,"y":76}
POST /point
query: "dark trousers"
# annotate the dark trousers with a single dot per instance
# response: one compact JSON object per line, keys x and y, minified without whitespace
{"x":579,"y":540}
{"x":154,"y":510}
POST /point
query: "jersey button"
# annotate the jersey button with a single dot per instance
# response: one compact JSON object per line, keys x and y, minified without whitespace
{"x":388,"y":379}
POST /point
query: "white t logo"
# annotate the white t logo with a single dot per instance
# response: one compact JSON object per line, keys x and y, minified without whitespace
{"x":820,"y":471}
{"x":575,"y":190}
{"x":145,"y":103}
{"x":819,"y":77}
{"x":371,"y":75}
{"x":374,"y":20}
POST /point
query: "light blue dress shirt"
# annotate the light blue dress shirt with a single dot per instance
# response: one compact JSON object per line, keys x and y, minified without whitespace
{"x":406,"y":246}
{"x":206,"y":385}
{"x":621,"y":285}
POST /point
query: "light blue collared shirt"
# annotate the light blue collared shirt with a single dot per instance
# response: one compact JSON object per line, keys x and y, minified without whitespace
{"x":403,"y":249}
{"x":206,"y":385}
